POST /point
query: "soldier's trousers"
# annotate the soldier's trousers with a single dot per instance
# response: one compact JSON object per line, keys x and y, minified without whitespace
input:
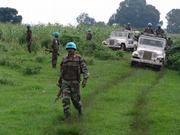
{"x":54,"y":59}
{"x":29,"y":46}
{"x":70,"y":92}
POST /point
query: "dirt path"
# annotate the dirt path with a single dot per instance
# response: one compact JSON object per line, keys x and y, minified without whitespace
{"x":140,"y":121}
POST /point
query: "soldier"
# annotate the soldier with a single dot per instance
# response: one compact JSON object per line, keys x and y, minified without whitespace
{"x":159,"y":31}
{"x":149,"y":29}
{"x":55,"y":48}
{"x":169,"y":43}
{"x":89,"y":35}
{"x":128,"y":27}
{"x":72,"y":66}
{"x":29,"y":38}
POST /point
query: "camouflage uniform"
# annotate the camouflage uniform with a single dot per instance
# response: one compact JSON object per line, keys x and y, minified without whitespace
{"x":55,"y":51}
{"x":89,"y":36}
{"x":71,"y":69}
{"x":29,"y":39}
{"x":149,"y":30}
{"x":160,"y":32}
{"x":169,"y":43}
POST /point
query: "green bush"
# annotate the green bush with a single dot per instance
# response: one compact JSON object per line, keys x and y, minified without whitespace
{"x":40,"y":58}
{"x":68,"y":38}
{"x":89,"y":61}
{"x":173,"y":58}
{"x":31,"y":70}
{"x":46,"y":43}
{"x":120,"y":53}
{"x":10,"y":62}
{"x":105,"y":55}
{"x":6,"y":81}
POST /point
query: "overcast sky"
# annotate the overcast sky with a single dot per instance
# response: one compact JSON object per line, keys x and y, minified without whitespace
{"x":66,"y":11}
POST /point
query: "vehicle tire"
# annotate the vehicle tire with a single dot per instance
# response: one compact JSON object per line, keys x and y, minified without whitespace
{"x":158,"y":68}
{"x":123,"y":46}
{"x":133,"y":63}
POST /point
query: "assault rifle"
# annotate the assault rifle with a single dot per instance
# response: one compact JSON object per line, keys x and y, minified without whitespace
{"x":49,"y":50}
{"x":59,"y":95}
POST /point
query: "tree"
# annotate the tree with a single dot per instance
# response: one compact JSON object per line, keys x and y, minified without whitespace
{"x":84,"y":18}
{"x":9,"y":15}
{"x":173,"y":18}
{"x":135,"y":12}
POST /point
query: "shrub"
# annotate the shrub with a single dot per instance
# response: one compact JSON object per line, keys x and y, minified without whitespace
{"x":90,"y":61}
{"x":46,"y":43}
{"x":7,"y":61}
{"x":6,"y":81}
{"x":68,"y":38}
{"x":120,"y":53}
{"x":31,"y":70}
{"x":40,"y":58}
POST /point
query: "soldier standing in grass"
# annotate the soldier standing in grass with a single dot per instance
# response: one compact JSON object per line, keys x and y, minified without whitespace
{"x":72,"y":66}
{"x":29,"y":38}
{"x":55,"y":49}
{"x":89,"y":35}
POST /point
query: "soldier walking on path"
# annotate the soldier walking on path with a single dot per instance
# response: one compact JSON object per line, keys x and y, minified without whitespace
{"x":55,"y":49}
{"x":72,"y":66}
{"x":29,"y":38}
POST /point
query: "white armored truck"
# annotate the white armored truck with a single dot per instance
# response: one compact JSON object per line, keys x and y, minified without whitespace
{"x":121,"y":40}
{"x":150,"y":51}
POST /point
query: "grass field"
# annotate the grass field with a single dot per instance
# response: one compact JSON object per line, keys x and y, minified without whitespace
{"x":118,"y":99}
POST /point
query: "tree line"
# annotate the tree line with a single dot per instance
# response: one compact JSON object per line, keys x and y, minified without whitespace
{"x":136,"y":12}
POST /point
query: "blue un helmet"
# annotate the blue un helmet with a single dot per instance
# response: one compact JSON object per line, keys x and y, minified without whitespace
{"x":71,"y":45}
{"x":158,"y":25}
{"x":56,"y":34}
{"x":149,"y":24}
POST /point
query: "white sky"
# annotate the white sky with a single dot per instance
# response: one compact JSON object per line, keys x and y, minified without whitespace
{"x":66,"y":11}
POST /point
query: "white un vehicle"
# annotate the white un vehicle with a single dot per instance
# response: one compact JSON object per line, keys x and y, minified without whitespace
{"x":150,"y":51}
{"x":121,"y":40}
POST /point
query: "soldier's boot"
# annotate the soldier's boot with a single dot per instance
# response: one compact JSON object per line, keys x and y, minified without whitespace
{"x":53,"y":66}
{"x":80,"y":113}
{"x":67,"y":115}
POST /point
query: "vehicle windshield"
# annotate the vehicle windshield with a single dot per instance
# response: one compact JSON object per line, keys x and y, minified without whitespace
{"x":151,"y":42}
{"x":119,"y":34}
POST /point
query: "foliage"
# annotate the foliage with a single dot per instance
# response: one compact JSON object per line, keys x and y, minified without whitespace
{"x":173,"y":18}
{"x":84,"y":18}
{"x":32,"y":69}
{"x":9,"y":15}
{"x":173,"y":56}
{"x":6,"y":81}
{"x":40,"y":58}
{"x":125,"y":100}
{"x":69,"y":38}
{"x":136,"y":12}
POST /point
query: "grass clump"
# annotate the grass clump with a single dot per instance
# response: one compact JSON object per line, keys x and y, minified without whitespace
{"x":6,"y":81}
{"x":31,"y":70}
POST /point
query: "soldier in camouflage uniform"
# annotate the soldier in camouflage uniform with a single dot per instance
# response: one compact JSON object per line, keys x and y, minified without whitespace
{"x":29,"y":38}
{"x":55,"y":48}
{"x":89,"y":35}
{"x":128,"y":27}
{"x":149,"y":29}
{"x":159,"y":31}
{"x":72,"y":66}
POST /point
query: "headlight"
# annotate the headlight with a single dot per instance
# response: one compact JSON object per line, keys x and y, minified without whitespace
{"x":135,"y":55}
{"x":140,"y":53}
{"x":160,"y":59}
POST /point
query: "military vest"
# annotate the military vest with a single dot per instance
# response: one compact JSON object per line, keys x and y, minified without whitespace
{"x":71,"y":68}
{"x":55,"y":44}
